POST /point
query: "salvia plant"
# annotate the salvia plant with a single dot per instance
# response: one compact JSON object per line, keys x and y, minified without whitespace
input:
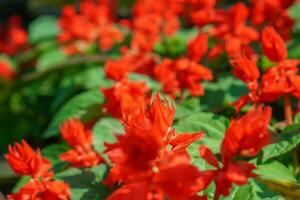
{"x":152,"y":100}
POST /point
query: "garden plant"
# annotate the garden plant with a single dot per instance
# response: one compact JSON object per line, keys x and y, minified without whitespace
{"x":152,"y":100}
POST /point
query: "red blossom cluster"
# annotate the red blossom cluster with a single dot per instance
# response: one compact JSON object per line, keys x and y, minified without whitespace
{"x":7,"y":72}
{"x":150,"y":160}
{"x":24,"y":161}
{"x":80,"y":139}
{"x":151,"y":21}
{"x":125,"y":97}
{"x":92,"y":24}
{"x":13,"y":37}
{"x":273,"y":13}
{"x":278,"y":81}
{"x":244,"y":137}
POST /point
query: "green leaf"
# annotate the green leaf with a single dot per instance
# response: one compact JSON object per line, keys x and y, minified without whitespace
{"x":297,"y":118}
{"x":284,"y":142}
{"x":150,"y":82}
{"x":50,"y":58}
{"x":223,"y":92}
{"x":213,"y":125}
{"x":275,"y":171}
{"x":85,"y":184}
{"x":105,"y":130}
{"x":187,"y":107}
{"x":294,"y":13}
{"x":93,"y":78}
{"x":44,"y":27}
{"x":85,"y":106}
{"x":253,"y":190}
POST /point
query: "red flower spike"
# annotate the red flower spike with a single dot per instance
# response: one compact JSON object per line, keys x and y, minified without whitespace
{"x":125,"y":98}
{"x":247,"y":136}
{"x":198,"y":47}
{"x":80,"y":138}
{"x":278,"y":81}
{"x":24,"y":161}
{"x":75,"y":134}
{"x":273,"y":45}
{"x":161,"y":114}
{"x":143,"y":158}
{"x":245,"y":69}
{"x":13,"y":37}
{"x":6,"y":70}
{"x":20,"y":157}
{"x":97,"y":20}
{"x":182,"y":74}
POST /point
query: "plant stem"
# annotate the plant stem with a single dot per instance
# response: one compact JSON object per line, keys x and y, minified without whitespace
{"x":288,"y":110}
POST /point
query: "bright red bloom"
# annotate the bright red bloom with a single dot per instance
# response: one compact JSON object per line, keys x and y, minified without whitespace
{"x":162,"y":15}
{"x":6,"y":70}
{"x":273,"y":45}
{"x":144,"y":162}
{"x":138,"y":62}
{"x":13,"y":37}
{"x":93,"y":23}
{"x":231,"y":31}
{"x":280,"y":80}
{"x":273,"y":13}
{"x":245,"y":69}
{"x":80,"y":138}
{"x":201,"y":12}
{"x":245,"y":136}
{"x":175,"y":179}
{"x":182,"y":74}
{"x":46,"y":190}
{"x":125,"y":97}
{"x":198,"y":47}
{"x":24,"y":161}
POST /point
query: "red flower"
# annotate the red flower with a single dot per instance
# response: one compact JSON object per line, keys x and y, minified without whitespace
{"x":176,"y":178}
{"x":137,"y":62}
{"x":273,"y":13}
{"x":24,"y":161}
{"x":273,"y":45}
{"x":46,"y":190}
{"x":6,"y":70}
{"x":182,"y":74}
{"x":244,"y":137}
{"x":279,"y":81}
{"x":150,"y":158}
{"x":231,"y":31}
{"x":93,"y":23}
{"x":163,"y":17}
{"x":80,"y":138}
{"x":125,"y":97}
{"x":13,"y":37}
{"x":245,"y":69}
{"x":198,"y":47}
